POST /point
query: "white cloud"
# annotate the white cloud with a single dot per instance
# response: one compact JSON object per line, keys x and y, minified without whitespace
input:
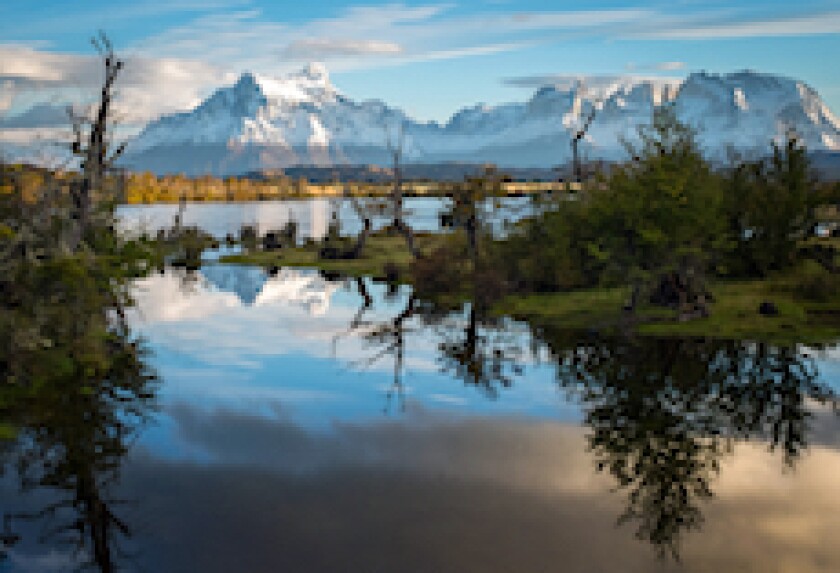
{"x":186,"y":63}
{"x":34,"y":135}
{"x":373,"y":35}
{"x":802,"y":25}
{"x":8,"y":89}
{"x":29,"y":77}
{"x":28,"y":63}
{"x":47,"y":23}
{"x":174,"y":69}
{"x":434,"y":55}
{"x":670,"y":66}
{"x":310,"y":49}
{"x":596,"y":84}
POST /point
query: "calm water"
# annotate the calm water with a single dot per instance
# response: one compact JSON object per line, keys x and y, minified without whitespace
{"x":306,"y":425}
{"x":312,"y":215}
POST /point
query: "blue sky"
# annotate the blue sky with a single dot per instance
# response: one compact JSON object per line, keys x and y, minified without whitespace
{"x":429,"y":58}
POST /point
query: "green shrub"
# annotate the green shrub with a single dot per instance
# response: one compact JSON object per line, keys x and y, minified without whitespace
{"x":811,"y":281}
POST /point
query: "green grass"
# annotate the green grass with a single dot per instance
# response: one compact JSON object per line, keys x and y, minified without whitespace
{"x":574,"y":309}
{"x":380,"y":250}
{"x":7,"y":432}
{"x":734,"y":314}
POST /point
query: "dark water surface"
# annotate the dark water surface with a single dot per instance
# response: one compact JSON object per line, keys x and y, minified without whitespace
{"x":299,"y":424}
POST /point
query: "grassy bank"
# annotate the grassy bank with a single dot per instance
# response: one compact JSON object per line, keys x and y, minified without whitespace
{"x":802,"y":317}
{"x":734,"y":314}
{"x":383,"y":254}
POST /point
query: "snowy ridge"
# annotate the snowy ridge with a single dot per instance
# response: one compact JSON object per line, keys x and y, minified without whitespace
{"x":302,"y":119}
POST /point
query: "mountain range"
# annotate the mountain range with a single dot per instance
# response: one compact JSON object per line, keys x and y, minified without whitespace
{"x":263,"y":122}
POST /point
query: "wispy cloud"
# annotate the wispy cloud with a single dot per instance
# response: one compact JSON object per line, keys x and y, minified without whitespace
{"x":797,"y":25}
{"x":30,"y":78}
{"x":670,"y":66}
{"x":8,"y":89}
{"x":593,"y":83}
{"x":374,"y":35}
{"x":73,"y":16}
{"x":323,"y":48}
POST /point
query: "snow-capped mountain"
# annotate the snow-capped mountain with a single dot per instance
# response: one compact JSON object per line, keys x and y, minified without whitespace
{"x":254,"y":286}
{"x":245,"y":282}
{"x":302,"y":119}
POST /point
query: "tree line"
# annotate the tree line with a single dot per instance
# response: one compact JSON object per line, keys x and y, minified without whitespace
{"x":663,"y":225}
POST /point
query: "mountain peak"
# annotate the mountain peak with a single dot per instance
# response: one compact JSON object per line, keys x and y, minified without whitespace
{"x":315,"y":72}
{"x":247,"y":84}
{"x":246,"y":79}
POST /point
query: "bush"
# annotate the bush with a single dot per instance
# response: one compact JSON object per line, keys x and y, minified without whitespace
{"x":812,"y":281}
{"x":770,"y":207}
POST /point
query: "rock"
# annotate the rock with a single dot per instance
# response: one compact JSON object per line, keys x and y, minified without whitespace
{"x":768,"y":308}
{"x":392,"y":272}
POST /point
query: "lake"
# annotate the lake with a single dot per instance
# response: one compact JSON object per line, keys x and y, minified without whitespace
{"x":312,"y":215}
{"x":305,"y":424}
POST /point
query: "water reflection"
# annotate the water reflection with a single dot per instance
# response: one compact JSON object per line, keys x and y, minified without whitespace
{"x":432,"y":492}
{"x":663,"y":412}
{"x":270,"y":452}
{"x":312,"y":216}
{"x":483,"y":352}
{"x":73,"y":409}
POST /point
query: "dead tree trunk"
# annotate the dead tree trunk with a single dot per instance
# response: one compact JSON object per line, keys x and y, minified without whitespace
{"x":367,"y":226}
{"x":579,"y":135}
{"x":399,"y":224}
{"x":179,"y":216}
{"x":90,"y":143}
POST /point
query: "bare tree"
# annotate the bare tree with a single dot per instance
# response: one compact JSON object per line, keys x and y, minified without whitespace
{"x":393,"y":203}
{"x":395,"y":152}
{"x":580,"y":134}
{"x":367,"y":225}
{"x":91,"y":143}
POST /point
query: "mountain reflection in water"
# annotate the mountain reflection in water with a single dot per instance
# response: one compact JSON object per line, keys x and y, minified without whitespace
{"x":269,"y":449}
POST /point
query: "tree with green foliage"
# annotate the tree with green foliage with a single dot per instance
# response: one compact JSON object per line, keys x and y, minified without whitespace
{"x":547,"y":253}
{"x":769,"y":208}
{"x":657,"y":221}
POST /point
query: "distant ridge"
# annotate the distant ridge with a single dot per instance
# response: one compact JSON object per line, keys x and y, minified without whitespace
{"x":411,"y":171}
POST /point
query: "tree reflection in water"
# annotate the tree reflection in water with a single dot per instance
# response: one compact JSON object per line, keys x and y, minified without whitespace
{"x":664,"y":411}
{"x":481,"y":352}
{"x":384,"y":337}
{"x":73,"y":409}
